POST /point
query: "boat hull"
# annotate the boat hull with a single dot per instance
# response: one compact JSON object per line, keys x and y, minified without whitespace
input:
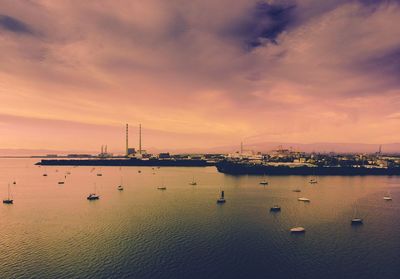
{"x":357,"y":221}
{"x":297,"y":230}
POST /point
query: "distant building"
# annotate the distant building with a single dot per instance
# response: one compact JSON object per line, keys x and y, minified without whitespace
{"x":164,"y":155}
{"x":131,"y":151}
{"x":104,"y":153}
{"x":79,"y":155}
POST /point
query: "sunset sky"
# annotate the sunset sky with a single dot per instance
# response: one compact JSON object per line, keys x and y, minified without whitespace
{"x":198,"y":73}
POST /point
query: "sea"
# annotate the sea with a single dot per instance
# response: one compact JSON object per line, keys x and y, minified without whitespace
{"x":53,"y":231}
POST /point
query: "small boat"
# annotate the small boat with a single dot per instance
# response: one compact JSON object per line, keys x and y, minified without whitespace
{"x":296,"y":190}
{"x":357,"y":220}
{"x":264,"y":181}
{"x":387,"y":197}
{"x":139,"y":171}
{"x":120,"y":187}
{"x":9,"y":200}
{"x":275,"y":208}
{"x":313,"y":181}
{"x":193,"y":182}
{"x":93,"y":196}
{"x":303,"y":199}
{"x":45,"y":174}
{"x":298,"y":230}
{"x":162,"y":187}
{"x":221,"y":198}
{"x":61,"y":182}
{"x":14,"y":183}
{"x":99,"y":174}
{"x":68,"y":172}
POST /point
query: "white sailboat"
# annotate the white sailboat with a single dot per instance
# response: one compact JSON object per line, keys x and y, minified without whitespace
{"x":264,"y":181}
{"x":193,"y":182}
{"x":297,"y":229}
{"x":387,"y":197}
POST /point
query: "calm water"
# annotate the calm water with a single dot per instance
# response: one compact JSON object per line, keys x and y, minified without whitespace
{"x":52,"y":231}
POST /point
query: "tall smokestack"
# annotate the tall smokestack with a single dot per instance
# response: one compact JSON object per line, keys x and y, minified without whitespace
{"x":126,"y":139}
{"x":140,"y":138}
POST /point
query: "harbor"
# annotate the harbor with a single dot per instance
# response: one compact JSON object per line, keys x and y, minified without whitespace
{"x":279,"y":161}
{"x":200,"y":139}
{"x":136,"y":221}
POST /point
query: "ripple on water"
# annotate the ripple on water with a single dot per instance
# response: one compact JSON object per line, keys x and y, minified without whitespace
{"x":54,"y":232}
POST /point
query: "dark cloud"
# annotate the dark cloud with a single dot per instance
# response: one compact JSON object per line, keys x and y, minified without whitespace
{"x":14,"y":25}
{"x":386,"y":64}
{"x":264,"y":23}
{"x":385,"y":68}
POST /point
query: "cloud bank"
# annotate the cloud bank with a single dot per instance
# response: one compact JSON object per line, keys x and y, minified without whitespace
{"x":198,"y":73}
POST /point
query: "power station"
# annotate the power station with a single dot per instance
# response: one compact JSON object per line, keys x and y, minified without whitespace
{"x":131,"y":152}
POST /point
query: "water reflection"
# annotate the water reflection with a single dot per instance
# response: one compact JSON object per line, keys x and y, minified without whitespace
{"x":53,"y":231}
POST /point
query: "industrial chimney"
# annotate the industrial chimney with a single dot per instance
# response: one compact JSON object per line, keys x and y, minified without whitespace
{"x":140,"y":138}
{"x":126,"y":143}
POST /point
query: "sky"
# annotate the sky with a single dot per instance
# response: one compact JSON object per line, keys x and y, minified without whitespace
{"x":198,"y":73}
